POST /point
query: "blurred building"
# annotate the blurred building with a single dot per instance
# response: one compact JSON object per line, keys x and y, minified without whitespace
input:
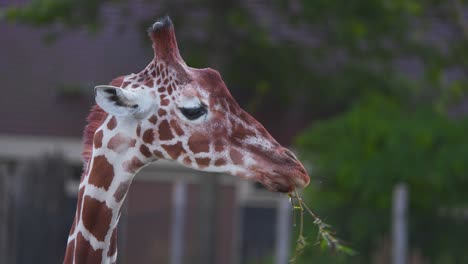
{"x":47,"y":92}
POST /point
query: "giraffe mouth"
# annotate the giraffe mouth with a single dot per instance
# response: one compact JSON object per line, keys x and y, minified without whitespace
{"x":279,"y":170}
{"x":283,"y":181}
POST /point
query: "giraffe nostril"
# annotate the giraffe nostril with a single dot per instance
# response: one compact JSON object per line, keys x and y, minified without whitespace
{"x":291,"y":155}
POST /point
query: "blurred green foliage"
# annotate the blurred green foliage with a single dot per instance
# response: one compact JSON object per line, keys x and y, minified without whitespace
{"x":70,"y":13}
{"x":358,"y":157}
{"x":395,"y":129}
{"x":356,"y":47}
{"x":374,"y":123}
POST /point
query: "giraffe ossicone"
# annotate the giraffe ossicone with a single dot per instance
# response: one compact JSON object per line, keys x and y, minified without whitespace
{"x":167,"y":111}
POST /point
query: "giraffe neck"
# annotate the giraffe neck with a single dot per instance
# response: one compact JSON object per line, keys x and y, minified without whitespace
{"x":107,"y":177}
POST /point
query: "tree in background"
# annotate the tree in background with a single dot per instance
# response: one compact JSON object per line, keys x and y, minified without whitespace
{"x":396,"y":128}
{"x":323,"y":53}
{"x":377,"y":79}
{"x":359,"y":156}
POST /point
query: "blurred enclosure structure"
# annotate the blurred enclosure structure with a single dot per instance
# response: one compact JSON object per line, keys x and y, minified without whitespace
{"x":40,"y":179}
{"x":372,"y":94}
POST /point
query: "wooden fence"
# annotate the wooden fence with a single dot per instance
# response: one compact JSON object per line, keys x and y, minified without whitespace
{"x":32,"y":211}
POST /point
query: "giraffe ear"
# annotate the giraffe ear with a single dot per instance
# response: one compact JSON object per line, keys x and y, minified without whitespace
{"x":119,"y":102}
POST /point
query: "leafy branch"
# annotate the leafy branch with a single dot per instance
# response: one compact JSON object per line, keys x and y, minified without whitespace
{"x":325,"y":237}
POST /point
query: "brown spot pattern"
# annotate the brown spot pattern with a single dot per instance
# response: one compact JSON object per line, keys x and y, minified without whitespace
{"x":218,"y":146}
{"x":150,"y":83}
{"x":85,"y":253}
{"x":165,"y":132}
{"x":158,"y":154}
{"x":236,"y":156}
{"x":187,"y":161}
{"x":148,"y":136}
{"x":203,"y":162}
{"x":69,"y":253}
{"x":138,"y":130}
{"x":242,"y":132}
{"x":112,"y":123}
{"x":199,"y":143}
{"x":174,"y":150}
{"x":102,"y":172}
{"x":132,"y":165}
{"x":179,"y":131}
{"x":165,"y":102}
{"x":220,"y":162}
{"x":145,"y":151}
{"x":96,"y":217}
{"x":153,"y":119}
{"x":161,"y":112}
{"x":98,"y":139}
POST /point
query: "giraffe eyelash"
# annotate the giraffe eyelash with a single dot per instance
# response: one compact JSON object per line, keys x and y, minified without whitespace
{"x":194,"y":113}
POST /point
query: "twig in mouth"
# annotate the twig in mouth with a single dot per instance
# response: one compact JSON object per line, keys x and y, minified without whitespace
{"x":325,"y":236}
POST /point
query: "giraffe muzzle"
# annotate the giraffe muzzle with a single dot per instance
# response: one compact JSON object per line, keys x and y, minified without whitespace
{"x":291,"y":178}
{"x":284,"y":182}
{"x":293,"y":170}
{"x":278,"y":169}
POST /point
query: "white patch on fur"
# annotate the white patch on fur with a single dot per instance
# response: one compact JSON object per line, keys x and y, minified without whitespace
{"x":139,"y":98}
{"x":248,"y":160}
{"x":259,"y":142}
{"x":192,"y":102}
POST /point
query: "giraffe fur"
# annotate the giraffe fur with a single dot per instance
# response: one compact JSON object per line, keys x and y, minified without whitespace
{"x":169,"y":111}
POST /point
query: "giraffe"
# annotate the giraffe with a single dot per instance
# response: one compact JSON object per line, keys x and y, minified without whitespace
{"x":167,"y":111}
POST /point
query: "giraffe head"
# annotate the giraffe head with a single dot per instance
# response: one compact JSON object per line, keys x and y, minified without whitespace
{"x":185,"y":114}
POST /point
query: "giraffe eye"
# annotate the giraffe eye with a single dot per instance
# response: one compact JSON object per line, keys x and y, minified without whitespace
{"x":193,"y":113}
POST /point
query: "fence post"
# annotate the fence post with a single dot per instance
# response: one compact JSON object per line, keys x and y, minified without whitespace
{"x":207,"y":219}
{"x":283,"y":231}
{"x":400,"y":229}
{"x":179,"y":199}
{"x":4,"y":206}
{"x":37,"y":202}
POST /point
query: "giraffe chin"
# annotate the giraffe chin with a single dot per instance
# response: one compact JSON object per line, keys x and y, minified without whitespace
{"x":284,"y":183}
{"x":283,"y":187}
